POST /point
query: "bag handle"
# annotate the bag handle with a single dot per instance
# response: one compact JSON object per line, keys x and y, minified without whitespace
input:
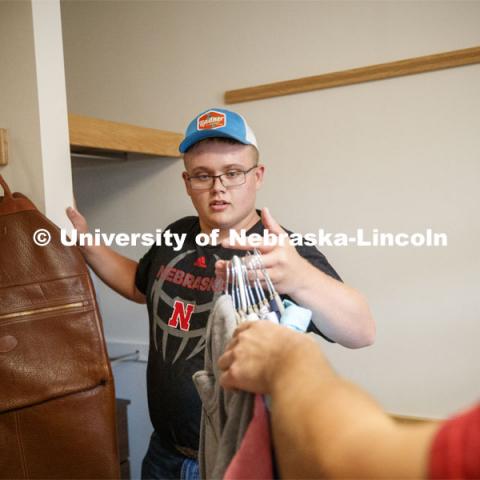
{"x":6,"y":189}
{"x":13,"y":202}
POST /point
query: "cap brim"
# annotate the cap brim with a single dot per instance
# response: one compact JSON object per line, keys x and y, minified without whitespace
{"x":198,"y":136}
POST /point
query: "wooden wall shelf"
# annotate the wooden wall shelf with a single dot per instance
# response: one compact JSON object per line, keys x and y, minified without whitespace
{"x":409,"y":66}
{"x":94,"y":136}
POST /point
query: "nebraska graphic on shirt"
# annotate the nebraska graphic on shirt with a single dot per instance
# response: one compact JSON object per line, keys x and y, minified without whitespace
{"x":179,"y":307}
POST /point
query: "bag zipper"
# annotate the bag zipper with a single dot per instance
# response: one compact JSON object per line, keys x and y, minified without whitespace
{"x":24,"y":313}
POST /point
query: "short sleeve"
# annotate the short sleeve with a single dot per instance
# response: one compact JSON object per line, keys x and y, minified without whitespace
{"x":143,"y":269}
{"x":318,"y":260}
{"x":455,"y":451}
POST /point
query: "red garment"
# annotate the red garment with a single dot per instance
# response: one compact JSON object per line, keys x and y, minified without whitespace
{"x":455,"y":451}
{"x":253,"y":459}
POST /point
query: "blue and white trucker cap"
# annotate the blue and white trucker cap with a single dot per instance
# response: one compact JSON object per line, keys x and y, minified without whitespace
{"x":218,"y":122}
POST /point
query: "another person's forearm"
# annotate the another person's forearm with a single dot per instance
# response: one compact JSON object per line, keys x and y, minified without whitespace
{"x":117,"y":271}
{"x":339,"y":311}
{"x":325,"y":427}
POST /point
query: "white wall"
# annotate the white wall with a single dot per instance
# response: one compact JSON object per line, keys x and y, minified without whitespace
{"x":33,"y":105}
{"x":19,"y":101}
{"x":398,"y":155}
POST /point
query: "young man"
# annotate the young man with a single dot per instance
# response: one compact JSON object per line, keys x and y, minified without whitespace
{"x":343,"y":433}
{"x":222,"y":176}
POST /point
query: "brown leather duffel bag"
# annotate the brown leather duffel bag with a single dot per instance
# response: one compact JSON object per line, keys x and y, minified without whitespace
{"x":57,"y":405}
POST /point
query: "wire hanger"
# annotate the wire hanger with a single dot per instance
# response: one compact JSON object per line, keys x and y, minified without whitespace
{"x":244,"y":285}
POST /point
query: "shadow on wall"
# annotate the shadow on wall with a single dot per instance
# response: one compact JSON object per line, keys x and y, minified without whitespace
{"x":112,"y":180}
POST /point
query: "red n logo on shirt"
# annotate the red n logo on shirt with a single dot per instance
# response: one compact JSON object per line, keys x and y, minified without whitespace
{"x":181,"y":313}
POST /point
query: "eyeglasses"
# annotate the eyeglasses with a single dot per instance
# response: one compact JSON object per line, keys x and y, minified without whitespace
{"x":232,"y":178}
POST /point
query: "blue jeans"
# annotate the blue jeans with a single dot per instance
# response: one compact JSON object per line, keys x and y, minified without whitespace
{"x":161,"y":463}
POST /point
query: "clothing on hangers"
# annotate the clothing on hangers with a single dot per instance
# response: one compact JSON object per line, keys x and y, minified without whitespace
{"x":235,"y":437}
{"x":225,"y":414}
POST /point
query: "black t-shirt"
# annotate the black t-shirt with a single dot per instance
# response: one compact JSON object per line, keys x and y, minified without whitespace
{"x":181,"y":289}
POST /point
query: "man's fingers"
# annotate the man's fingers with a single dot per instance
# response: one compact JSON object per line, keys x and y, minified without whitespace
{"x":227,"y":381}
{"x":220,"y":269}
{"x":77,"y":219}
{"x":70,"y":212}
{"x":226,"y":359}
{"x":270,"y":223}
{"x":231,"y":344}
{"x":242,"y":327}
{"x":74,"y":215}
{"x":269,"y":260}
{"x":220,"y":264}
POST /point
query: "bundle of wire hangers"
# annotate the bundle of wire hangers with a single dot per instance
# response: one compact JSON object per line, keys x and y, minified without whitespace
{"x":244,"y":285}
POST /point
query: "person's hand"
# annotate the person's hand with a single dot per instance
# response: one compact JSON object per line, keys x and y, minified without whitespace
{"x":259,"y":353}
{"x":78,"y":220}
{"x":286,"y":268}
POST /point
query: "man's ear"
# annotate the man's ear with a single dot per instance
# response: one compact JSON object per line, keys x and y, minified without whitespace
{"x":187,"y":183}
{"x":259,"y":172}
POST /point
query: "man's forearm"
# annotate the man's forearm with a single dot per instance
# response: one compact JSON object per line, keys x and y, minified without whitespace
{"x":325,"y":427}
{"x":339,"y":311}
{"x":117,"y":271}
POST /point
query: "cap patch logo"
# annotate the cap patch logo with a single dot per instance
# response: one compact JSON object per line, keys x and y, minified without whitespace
{"x":211,"y":120}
